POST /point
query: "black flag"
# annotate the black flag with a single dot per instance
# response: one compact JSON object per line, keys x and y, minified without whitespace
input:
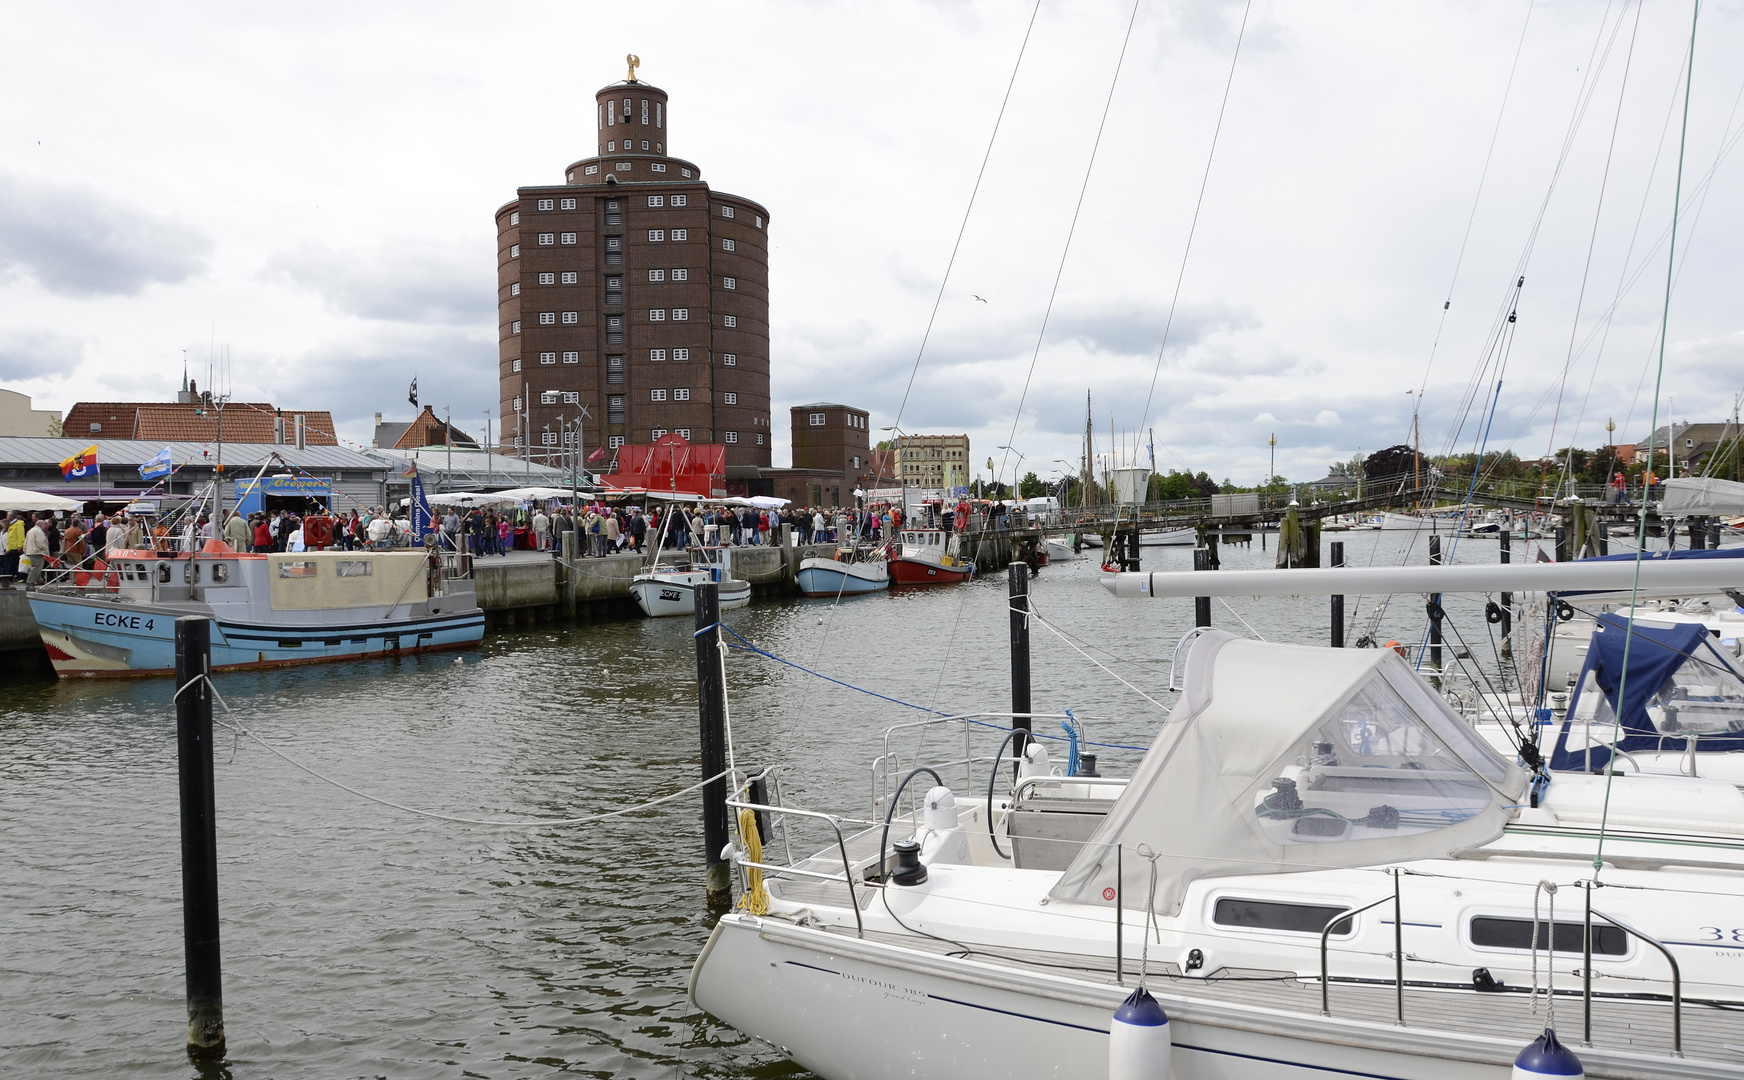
{"x":412,"y":394}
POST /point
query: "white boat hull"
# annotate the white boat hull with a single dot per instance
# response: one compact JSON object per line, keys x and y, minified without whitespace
{"x":1162,"y":538}
{"x":1061,"y":551}
{"x":661,"y":598}
{"x":849,"y":1009}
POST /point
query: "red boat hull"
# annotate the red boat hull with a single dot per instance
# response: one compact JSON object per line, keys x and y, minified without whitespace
{"x":914,"y":572}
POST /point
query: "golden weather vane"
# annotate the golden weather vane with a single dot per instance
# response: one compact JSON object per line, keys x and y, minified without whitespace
{"x":635,"y":62}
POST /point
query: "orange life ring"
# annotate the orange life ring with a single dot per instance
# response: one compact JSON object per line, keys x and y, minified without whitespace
{"x":1396,"y":647}
{"x":317,"y":532}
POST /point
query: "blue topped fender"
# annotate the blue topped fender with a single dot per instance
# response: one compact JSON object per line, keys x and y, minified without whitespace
{"x":1546,"y":1056}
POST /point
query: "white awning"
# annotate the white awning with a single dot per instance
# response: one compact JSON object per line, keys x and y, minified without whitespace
{"x":1284,"y":758}
{"x":1702,"y":496}
{"x":20,"y":499}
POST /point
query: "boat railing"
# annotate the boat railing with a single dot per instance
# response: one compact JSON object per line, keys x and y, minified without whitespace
{"x":889,"y":767}
{"x":1587,"y":971}
{"x":753,"y":795}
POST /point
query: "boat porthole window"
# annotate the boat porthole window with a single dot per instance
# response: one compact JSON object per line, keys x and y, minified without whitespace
{"x":191,"y":573}
{"x":163,"y":573}
{"x":220,"y":573}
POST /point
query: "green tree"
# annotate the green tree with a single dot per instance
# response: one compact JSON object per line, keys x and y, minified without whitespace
{"x":1031,"y":487}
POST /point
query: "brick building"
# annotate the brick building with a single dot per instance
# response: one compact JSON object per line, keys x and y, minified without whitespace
{"x":637,"y":291}
{"x":832,"y":455}
{"x":426,"y":429}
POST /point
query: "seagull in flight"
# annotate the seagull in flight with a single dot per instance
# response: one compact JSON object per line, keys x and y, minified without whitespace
{"x":978,"y":298}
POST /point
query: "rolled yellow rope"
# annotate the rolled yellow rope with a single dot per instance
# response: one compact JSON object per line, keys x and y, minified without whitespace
{"x":756,"y":898}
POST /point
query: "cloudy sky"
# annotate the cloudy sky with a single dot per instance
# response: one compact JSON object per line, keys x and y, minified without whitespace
{"x":311,"y":188}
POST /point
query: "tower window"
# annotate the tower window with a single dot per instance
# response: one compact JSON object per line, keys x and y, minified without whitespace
{"x":566,"y":204}
{"x":729,"y":320}
{"x":614,"y":408}
{"x":656,"y":314}
{"x":614,"y":441}
{"x":656,"y":395}
{"x":681,"y":354}
{"x":547,"y":204}
{"x":656,"y":355}
{"x":611,"y":113}
{"x":759,"y":221}
{"x":657,"y":433}
{"x":730,"y":283}
{"x":644,"y":112}
{"x":568,"y":277}
{"x":726,"y":211}
{"x":514,"y":288}
{"x":546,"y":239}
{"x":656,"y":275}
{"x":566,"y":238}
{"x":678,"y":200}
{"x":818,"y":418}
{"x":644,"y":142}
{"x":681,"y":394}
{"x":681,"y":234}
{"x":726,"y":245}
{"x":590,"y":169}
{"x":683,"y":433}
{"x":656,"y":236}
{"x":515,"y":327}
{"x":623,"y":166}
{"x":570,"y":318}
{"x":657,"y":122}
{"x":572,"y":357}
{"x":684,"y":172}
{"x":681,"y":274}
{"x":657,"y":167}
{"x":759,"y":438}
{"x":547,"y":279}
{"x":627,"y":111}
{"x":729,"y":398}
{"x":550,"y":397}
{"x":730,"y":359}
{"x":680,"y":314}
{"x":732,"y":436}
{"x":612,"y":146}
{"x":515,"y":217}
{"x":548,"y":358}
{"x":515,"y":364}
{"x":548,"y":318}
{"x":656,"y":200}
{"x":514,"y":251}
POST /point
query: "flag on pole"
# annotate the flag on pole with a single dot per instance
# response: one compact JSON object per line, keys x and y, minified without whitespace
{"x":597,"y":455}
{"x":422,"y":525}
{"x":158,"y":467}
{"x":81,"y":466}
{"x":412,"y":392}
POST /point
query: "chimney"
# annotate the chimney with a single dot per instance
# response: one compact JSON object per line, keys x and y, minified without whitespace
{"x":301,"y":433}
{"x":279,"y":426}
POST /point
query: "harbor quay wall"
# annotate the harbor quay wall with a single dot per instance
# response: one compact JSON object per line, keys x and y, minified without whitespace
{"x":21,"y":650}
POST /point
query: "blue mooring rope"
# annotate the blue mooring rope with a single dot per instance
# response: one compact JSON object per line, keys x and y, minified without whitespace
{"x":746,"y":646}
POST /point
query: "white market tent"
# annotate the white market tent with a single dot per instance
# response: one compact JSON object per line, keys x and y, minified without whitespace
{"x":1283,"y":758}
{"x":469,"y":498}
{"x":20,"y":499}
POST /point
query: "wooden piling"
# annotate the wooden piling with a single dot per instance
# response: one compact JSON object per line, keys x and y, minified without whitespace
{"x":711,"y":696}
{"x":1338,"y":599}
{"x":204,"y":968}
{"x":1202,"y":604}
{"x":571,"y":573}
{"x":1435,"y":608}
{"x":1017,"y":584}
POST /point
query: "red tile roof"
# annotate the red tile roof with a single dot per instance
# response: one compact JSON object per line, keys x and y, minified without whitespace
{"x":244,"y":422}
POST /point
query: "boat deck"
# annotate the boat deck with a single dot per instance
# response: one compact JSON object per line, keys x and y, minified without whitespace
{"x":1711,"y":1033}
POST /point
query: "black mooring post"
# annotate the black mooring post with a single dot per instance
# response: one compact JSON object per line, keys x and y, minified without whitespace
{"x":1338,"y":599}
{"x":711,"y":704}
{"x":1017,"y":577}
{"x":1561,"y":535}
{"x":1435,"y":609}
{"x":199,"y":837}
{"x":1507,"y":598}
{"x":1201,"y":604}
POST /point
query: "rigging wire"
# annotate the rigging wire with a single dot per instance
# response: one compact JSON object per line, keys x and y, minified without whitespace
{"x":1592,"y":242}
{"x":1193,"y":227}
{"x":1071,"y":230}
{"x":1646,"y":474}
{"x":964,"y":226}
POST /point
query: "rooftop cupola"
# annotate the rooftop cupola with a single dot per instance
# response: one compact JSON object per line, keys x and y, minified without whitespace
{"x":631,"y":115}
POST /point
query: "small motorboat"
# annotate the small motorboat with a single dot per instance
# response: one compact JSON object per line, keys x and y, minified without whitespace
{"x":929,"y":557}
{"x":845,"y":574}
{"x":670,"y":588}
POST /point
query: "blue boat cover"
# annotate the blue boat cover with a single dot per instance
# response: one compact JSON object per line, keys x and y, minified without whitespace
{"x":1657,"y":652}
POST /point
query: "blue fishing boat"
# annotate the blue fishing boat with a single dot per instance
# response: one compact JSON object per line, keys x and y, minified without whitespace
{"x":268,"y":610}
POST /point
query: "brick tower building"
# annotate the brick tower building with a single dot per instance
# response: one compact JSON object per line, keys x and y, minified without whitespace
{"x":635,"y":290}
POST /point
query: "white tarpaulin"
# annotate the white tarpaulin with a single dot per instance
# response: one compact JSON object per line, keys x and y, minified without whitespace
{"x":1282,"y":758}
{"x":19,"y":499}
{"x":1702,"y":496}
{"x":468,"y":498}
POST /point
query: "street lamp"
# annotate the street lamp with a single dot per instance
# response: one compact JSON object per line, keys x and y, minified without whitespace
{"x":1270,"y":476}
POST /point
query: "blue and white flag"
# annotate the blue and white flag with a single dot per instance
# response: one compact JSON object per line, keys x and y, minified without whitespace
{"x":158,"y":467}
{"x":422,"y":525}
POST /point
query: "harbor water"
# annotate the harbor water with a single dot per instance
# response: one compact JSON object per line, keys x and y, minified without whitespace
{"x":360,"y":940}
